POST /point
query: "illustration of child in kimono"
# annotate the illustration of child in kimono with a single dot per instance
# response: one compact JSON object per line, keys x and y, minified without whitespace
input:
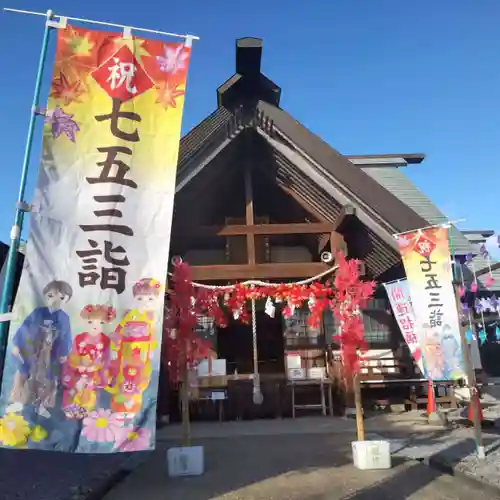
{"x":452,"y":354}
{"x":40,"y":345}
{"x":86,"y":370}
{"x":132,"y":348}
{"x":432,"y":355}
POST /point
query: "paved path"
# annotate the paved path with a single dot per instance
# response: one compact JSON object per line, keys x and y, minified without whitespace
{"x":290,"y":467}
{"x":45,"y":475}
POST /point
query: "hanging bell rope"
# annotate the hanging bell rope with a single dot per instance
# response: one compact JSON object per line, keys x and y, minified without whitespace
{"x":257,"y":393}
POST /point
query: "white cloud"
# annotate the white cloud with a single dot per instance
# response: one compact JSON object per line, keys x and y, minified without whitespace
{"x":492,"y":244}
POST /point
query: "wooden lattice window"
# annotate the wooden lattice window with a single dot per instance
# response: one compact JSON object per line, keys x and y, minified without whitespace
{"x":375,"y":319}
{"x":299,"y":333}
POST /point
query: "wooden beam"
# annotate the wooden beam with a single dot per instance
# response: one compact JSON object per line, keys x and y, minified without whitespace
{"x":249,"y":214}
{"x":258,"y":271}
{"x":323,"y":240}
{"x":302,"y":203}
{"x":337,"y":243}
{"x":362,"y":268}
{"x":345,"y":212}
{"x":262,"y":229}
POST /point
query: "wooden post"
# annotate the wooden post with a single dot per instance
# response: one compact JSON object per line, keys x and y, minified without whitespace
{"x":471,"y":382}
{"x":186,"y":425}
{"x":249,"y":214}
{"x":360,"y":424}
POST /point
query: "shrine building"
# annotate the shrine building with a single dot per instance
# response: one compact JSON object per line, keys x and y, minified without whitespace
{"x":259,"y":196}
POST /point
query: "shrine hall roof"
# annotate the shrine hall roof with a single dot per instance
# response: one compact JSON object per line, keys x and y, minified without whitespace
{"x":326,"y":179}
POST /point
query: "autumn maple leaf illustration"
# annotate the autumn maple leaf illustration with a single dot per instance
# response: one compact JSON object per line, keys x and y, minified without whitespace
{"x":62,"y":123}
{"x":167,"y":94}
{"x":66,"y":91}
{"x":173,"y":59}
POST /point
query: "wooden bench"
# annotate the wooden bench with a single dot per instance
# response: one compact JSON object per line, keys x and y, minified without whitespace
{"x":387,"y":373}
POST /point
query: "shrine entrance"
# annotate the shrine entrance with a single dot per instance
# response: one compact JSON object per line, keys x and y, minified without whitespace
{"x":235,"y":345}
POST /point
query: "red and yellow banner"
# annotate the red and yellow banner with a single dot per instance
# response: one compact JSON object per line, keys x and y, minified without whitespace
{"x":427,"y":261}
{"x":83,"y":358}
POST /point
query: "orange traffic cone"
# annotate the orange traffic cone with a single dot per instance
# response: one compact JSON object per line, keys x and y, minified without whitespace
{"x":431,"y":399}
{"x":475,"y":400}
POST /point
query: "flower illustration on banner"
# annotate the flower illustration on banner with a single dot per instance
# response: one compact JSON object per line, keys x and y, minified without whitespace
{"x":14,"y":430}
{"x":38,"y":433}
{"x":173,"y":60}
{"x":102,"y":426}
{"x":75,"y":412}
{"x":64,"y":90}
{"x":167,"y":94}
{"x":62,"y":123}
{"x":133,"y":439}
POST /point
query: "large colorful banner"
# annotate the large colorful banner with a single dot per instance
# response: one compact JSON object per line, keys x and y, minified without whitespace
{"x":81,"y":372}
{"x":399,"y":297}
{"x":426,"y":258}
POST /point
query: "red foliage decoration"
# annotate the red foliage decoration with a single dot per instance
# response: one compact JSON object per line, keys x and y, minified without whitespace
{"x":351,"y":295}
{"x":345,"y":296}
{"x":183,"y":348}
{"x":236,"y":299}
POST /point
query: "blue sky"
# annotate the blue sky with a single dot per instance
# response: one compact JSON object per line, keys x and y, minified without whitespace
{"x":368,"y":76}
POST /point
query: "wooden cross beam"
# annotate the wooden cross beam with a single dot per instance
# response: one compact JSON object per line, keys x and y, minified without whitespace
{"x":259,"y":229}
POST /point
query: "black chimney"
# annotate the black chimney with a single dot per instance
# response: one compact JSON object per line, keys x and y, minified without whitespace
{"x":248,"y":56}
{"x":248,"y":85}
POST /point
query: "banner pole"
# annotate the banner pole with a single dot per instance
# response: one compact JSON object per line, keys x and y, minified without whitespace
{"x":442,"y":224}
{"x":471,"y":382}
{"x":469,"y":367}
{"x":104,"y":23}
{"x":15,"y":234}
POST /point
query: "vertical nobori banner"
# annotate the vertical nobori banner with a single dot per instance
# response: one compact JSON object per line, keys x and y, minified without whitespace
{"x":399,"y":297}
{"x":426,"y":257}
{"x":81,"y":372}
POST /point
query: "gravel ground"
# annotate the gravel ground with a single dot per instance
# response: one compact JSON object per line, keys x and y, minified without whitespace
{"x":457,"y":449}
{"x":291,"y":467}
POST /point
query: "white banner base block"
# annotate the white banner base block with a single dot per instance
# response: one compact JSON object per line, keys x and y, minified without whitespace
{"x":371,"y":455}
{"x":185,"y":461}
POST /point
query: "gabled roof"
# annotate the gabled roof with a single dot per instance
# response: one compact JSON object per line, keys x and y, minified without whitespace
{"x":325,"y":187}
{"x":394,"y":180}
{"x":326,"y":179}
{"x":339,"y":169}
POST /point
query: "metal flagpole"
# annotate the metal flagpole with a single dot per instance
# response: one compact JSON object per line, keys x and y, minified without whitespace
{"x":104,"y":23}
{"x":442,"y":224}
{"x":21,"y":205}
{"x":469,"y":367}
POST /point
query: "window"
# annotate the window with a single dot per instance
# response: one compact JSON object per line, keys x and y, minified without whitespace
{"x":298,"y":332}
{"x":376,"y":322}
{"x":205,"y":328}
{"x":376,"y":330}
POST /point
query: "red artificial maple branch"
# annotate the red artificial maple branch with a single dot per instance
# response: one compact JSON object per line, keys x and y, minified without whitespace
{"x":183,"y":347}
{"x":351,"y":296}
{"x":346,"y":297}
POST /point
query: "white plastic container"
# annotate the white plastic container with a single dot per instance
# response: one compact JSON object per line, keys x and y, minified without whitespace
{"x":371,"y":455}
{"x":186,"y":461}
